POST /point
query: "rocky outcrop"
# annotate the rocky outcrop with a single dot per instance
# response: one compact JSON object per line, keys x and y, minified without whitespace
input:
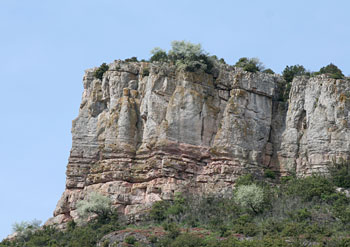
{"x":140,"y":137}
{"x":317,"y":129}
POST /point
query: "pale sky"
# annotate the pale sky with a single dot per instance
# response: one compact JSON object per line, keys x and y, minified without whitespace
{"x":45,"y":46}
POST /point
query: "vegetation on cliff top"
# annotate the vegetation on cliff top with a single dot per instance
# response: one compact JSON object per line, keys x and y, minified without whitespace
{"x":332,"y":70}
{"x":192,"y":58}
{"x":101,"y":70}
{"x":270,"y":211}
{"x":186,"y":56}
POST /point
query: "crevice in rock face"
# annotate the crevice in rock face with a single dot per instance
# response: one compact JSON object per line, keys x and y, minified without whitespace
{"x":301,"y":127}
{"x":302,"y":122}
{"x":202,"y":128}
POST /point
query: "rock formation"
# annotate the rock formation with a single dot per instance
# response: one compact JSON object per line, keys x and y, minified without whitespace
{"x":317,"y":130}
{"x":146,"y":131}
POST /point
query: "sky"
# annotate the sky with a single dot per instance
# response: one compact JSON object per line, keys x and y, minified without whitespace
{"x":45,"y":46}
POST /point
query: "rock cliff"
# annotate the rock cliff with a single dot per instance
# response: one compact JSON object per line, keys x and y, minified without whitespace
{"x":146,"y":131}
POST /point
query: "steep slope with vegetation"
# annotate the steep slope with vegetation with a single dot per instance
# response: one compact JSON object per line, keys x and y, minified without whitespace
{"x":264,"y":211}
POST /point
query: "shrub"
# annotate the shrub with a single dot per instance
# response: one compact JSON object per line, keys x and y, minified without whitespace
{"x":25,"y":228}
{"x":153,"y":239}
{"x":105,"y":243}
{"x":269,"y":174}
{"x":245,"y":179}
{"x":101,"y":70}
{"x":130,"y":240}
{"x":340,"y":173}
{"x":332,"y":70}
{"x":87,"y":235}
{"x":145,"y":72}
{"x":177,"y":208}
{"x":190,"y":57}
{"x":186,"y":56}
{"x":158,"y":55}
{"x":173,"y":210}
{"x":268,"y":71}
{"x":132,"y":59}
{"x":250,"y":64}
{"x":250,"y":196}
{"x":310,"y":188}
{"x":301,"y":215}
{"x":181,"y":50}
{"x":295,"y":70}
{"x":187,"y":240}
{"x":288,"y":74}
{"x":94,"y":203}
{"x":158,"y":211}
{"x":172,"y":229}
{"x":215,"y":58}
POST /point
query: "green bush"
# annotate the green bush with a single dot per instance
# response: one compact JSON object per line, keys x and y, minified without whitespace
{"x":268,"y":71}
{"x":132,"y":59}
{"x":250,"y":64}
{"x":105,"y":243}
{"x":101,"y":70}
{"x":172,"y":229}
{"x":269,"y":174}
{"x":314,"y":187}
{"x":245,"y":179}
{"x":145,"y":72}
{"x":250,"y":196}
{"x":172,"y":211}
{"x":187,"y":240}
{"x":290,"y":72}
{"x":26,"y":228}
{"x":340,"y":173}
{"x":158,"y":212}
{"x":332,"y":70}
{"x":153,"y":239}
{"x":130,"y":240}
{"x":94,"y":203}
{"x":158,"y":55}
{"x":190,"y":57}
{"x":76,"y":236}
{"x":301,"y":215}
{"x":186,"y":56}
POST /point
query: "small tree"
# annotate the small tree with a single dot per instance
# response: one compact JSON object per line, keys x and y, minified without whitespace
{"x":250,"y":196}
{"x":131,"y":59}
{"x":250,"y":64}
{"x":185,"y":50}
{"x":158,"y":55}
{"x":295,"y":70}
{"x":190,"y":57}
{"x":186,"y":56}
{"x":101,"y":70}
{"x":268,"y":71}
{"x":95,"y":203}
{"x":24,"y":228}
{"x":288,"y":74}
{"x":340,"y":174}
{"x":332,"y":70}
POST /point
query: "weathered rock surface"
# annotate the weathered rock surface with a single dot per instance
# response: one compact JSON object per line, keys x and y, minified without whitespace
{"x":140,"y":139}
{"x":317,"y":125}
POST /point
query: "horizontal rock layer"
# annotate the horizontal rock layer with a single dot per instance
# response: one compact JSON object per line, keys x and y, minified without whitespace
{"x":140,"y":137}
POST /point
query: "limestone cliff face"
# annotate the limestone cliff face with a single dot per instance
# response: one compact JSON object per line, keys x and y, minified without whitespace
{"x":140,"y":137}
{"x":317,"y":129}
